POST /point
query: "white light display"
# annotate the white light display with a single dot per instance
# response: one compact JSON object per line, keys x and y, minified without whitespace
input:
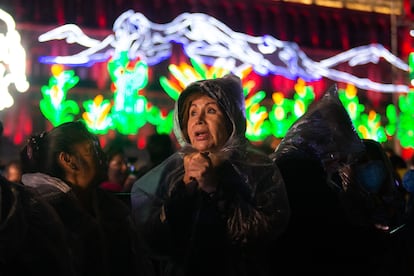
{"x":205,"y":38}
{"x":12,"y":61}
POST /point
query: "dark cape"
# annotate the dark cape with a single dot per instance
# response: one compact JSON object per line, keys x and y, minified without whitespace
{"x":32,"y":240}
{"x":102,"y":240}
{"x":331,"y":229}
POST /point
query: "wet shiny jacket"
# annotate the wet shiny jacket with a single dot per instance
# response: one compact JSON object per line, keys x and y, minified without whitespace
{"x":225,"y":233}
{"x":101,"y":241}
{"x":32,"y":239}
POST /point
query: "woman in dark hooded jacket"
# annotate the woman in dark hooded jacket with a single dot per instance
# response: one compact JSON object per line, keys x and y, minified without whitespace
{"x":64,"y":167}
{"x":215,"y":206}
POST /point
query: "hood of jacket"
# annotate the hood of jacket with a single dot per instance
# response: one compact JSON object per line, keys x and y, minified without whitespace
{"x":228,"y":92}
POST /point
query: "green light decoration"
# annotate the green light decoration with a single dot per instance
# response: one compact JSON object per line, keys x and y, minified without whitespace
{"x":367,"y":126}
{"x":129,"y":107}
{"x":405,"y":132}
{"x":281,"y":116}
{"x":185,"y":74}
{"x":258,"y":127}
{"x":97,"y":115}
{"x":370,"y":127}
{"x":391,"y":114}
{"x":54,"y":105}
{"x":286,"y":111}
{"x":411,"y":68}
{"x":162,"y":120}
{"x":130,"y":110}
{"x":349,"y":99}
{"x":172,"y":90}
{"x":303,"y":97}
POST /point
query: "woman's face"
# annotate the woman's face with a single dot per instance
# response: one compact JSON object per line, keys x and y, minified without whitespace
{"x":89,"y":171}
{"x":13,"y":173}
{"x":206,"y":124}
{"x":117,"y":169}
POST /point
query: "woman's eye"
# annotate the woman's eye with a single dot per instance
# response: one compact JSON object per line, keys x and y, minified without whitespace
{"x":193,"y":113}
{"x":211,"y":111}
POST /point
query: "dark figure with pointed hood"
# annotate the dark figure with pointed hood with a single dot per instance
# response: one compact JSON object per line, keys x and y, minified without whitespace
{"x":345,"y":207}
{"x":214,"y":206}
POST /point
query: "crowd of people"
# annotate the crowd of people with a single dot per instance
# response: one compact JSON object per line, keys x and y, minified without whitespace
{"x":323,"y":201}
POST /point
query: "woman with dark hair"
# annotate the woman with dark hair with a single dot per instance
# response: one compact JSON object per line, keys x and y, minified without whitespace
{"x":215,"y":206}
{"x":120,"y":178}
{"x":65,"y":167}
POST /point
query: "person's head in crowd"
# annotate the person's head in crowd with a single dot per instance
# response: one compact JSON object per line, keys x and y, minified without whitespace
{"x":408,"y":178}
{"x":65,"y":166}
{"x":408,"y":184}
{"x":13,"y":171}
{"x":371,"y":181}
{"x":215,"y":192}
{"x":411,"y":162}
{"x":211,"y":114}
{"x":9,"y":151}
{"x":210,"y":121}
{"x":159,"y":147}
{"x":398,"y":163}
{"x":69,"y":152}
{"x":117,"y":168}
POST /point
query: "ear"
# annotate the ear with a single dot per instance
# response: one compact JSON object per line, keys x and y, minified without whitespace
{"x":66,"y":161}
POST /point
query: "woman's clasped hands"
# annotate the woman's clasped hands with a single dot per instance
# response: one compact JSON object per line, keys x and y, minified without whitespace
{"x":200,"y":171}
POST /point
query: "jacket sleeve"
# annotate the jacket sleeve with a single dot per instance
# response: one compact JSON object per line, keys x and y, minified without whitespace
{"x":257,"y":205}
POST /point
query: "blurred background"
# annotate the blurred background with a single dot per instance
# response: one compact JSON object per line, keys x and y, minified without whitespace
{"x":119,"y":65}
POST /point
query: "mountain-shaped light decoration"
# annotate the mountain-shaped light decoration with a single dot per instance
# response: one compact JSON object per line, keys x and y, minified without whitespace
{"x":207,"y":39}
{"x":54,"y":105}
{"x":12,"y":61}
{"x":152,"y":43}
{"x":97,"y":115}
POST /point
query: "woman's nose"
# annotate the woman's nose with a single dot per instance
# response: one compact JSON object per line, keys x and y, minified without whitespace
{"x":200,"y":119}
